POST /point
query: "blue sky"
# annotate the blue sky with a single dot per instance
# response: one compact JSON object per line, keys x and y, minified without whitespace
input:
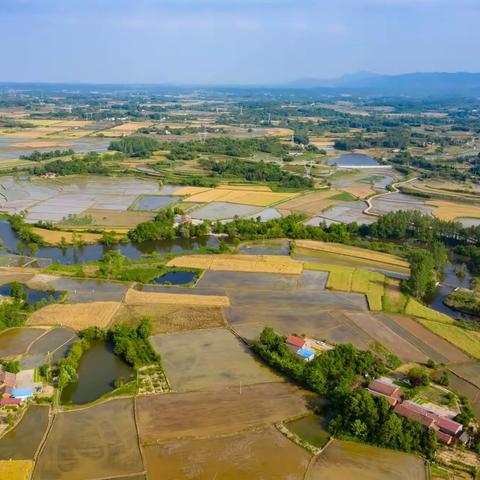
{"x":232,"y":41}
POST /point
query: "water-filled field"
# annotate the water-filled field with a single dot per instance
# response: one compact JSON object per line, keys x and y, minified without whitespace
{"x":176,"y":278}
{"x":262,"y":454}
{"x":223,"y":210}
{"x":221,"y":411}
{"x":351,"y":461}
{"x":98,"y":442}
{"x":153,"y":203}
{"x":22,"y":442}
{"x":15,"y":341}
{"x":209,"y":359}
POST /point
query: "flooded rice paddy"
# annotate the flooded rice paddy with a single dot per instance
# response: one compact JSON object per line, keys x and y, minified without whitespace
{"x":97,"y":442}
{"x":152,"y":204}
{"x":351,"y":461}
{"x":208,"y":359}
{"x":354,"y":160}
{"x":223,"y":210}
{"x":15,"y":341}
{"x":263,"y":454}
{"x":22,"y":442}
{"x":98,"y":370}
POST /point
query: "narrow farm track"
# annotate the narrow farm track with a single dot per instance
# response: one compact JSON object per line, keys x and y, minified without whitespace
{"x":395,"y":189}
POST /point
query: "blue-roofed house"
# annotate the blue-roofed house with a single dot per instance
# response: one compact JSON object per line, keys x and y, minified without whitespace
{"x":305,"y":354}
{"x":22,"y":393}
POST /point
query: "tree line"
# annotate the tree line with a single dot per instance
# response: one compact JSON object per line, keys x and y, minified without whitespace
{"x":354,"y":412}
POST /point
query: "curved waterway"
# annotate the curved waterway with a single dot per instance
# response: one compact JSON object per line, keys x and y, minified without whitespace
{"x":91,"y":253}
{"x":98,"y":370}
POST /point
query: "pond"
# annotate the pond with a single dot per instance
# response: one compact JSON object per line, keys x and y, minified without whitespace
{"x":98,"y":370}
{"x":33,"y":296}
{"x":312,"y":429}
{"x":354,"y":160}
{"x":91,"y":253}
{"x":176,"y":277}
{"x":449,"y":283}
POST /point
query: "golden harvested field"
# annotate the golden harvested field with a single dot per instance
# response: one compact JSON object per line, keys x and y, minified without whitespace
{"x":280,"y":132}
{"x":171,"y":318}
{"x":15,"y":469}
{"x":77,"y":316}
{"x":416,"y":309}
{"x":136,"y":297}
{"x":355,"y":252}
{"x":360,"y":191}
{"x":240,"y":263}
{"x":466,"y":340}
{"x":450,"y":211}
{"x":55,"y":236}
{"x":311,"y":204}
{"x":246,"y":197}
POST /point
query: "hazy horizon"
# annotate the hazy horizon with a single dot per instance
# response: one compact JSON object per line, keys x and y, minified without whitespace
{"x":232,"y":42}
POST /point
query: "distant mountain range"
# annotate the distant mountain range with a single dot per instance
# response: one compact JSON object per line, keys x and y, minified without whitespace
{"x":458,"y":83}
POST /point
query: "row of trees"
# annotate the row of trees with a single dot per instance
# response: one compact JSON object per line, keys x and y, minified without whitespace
{"x":257,"y":172}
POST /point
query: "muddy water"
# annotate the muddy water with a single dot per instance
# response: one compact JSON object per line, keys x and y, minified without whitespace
{"x":311,"y":428}
{"x":98,"y":370}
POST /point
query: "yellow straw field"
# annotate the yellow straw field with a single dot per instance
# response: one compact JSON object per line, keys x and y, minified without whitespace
{"x":247,"y":197}
{"x":15,"y":469}
{"x":240,"y":263}
{"x":355,"y":252}
{"x":77,"y":316}
{"x":55,"y":236}
{"x":450,"y":211}
{"x":136,"y":297}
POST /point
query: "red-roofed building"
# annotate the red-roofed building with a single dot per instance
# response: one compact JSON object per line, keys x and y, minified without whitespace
{"x":404,"y":410}
{"x":391,"y":400}
{"x":419,"y":409}
{"x":295,"y":341}
{"x":10,"y":402}
{"x":451,"y":427}
{"x":384,"y":388}
{"x":445,"y":438}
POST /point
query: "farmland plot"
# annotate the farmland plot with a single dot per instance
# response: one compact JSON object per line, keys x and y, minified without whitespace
{"x":96,"y":442}
{"x":77,"y":316}
{"x":207,"y":359}
{"x":163,"y":418}
{"x":253,"y":455}
{"x":352,"y":461}
{"x":15,"y":341}
{"x":171,"y":318}
{"x":22,"y":442}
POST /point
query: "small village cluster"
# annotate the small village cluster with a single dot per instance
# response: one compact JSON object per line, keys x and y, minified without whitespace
{"x":14,"y":389}
{"x":448,"y":430}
